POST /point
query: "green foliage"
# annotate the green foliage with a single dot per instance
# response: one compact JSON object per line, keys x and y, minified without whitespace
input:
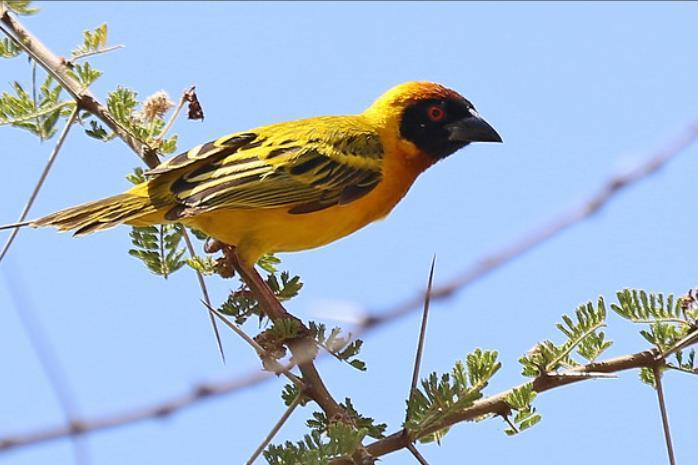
{"x":342,"y":347}
{"x":198,"y":234}
{"x":21,"y":110}
{"x":662,"y":335}
{"x":145,"y":126}
{"x":21,"y":7}
{"x":85,"y":74}
{"x":285,"y":288}
{"x":440,"y":397}
{"x":686,"y":364}
{"x":137,"y":176}
{"x":205,"y":265}
{"x":290,"y":392}
{"x":520,"y":400}
{"x":582,"y":334}
{"x":317,"y":448}
{"x":373,"y":430}
{"x":647,"y":376}
{"x":681,"y":362}
{"x":158,"y":248}
{"x":284,"y":329}
{"x":269,"y":263}
{"x":642,"y":307}
{"x":93,"y":41}
{"x":9,"y":48}
{"x":668,"y":319}
{"x":321,"y":423}
{"x":242,"y":304}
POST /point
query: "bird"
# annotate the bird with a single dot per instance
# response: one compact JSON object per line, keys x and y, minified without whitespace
{"x":294,"y":185}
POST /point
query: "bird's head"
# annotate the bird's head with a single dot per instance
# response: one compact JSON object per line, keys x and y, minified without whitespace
{"x":436,"y":120}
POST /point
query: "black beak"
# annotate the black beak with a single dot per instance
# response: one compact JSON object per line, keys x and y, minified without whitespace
{"x":472,"y":128}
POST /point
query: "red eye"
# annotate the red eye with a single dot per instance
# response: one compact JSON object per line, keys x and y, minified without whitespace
{"x":436,"y":113}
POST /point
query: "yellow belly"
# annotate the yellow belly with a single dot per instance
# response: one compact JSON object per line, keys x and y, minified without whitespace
{"x":258,"y":231}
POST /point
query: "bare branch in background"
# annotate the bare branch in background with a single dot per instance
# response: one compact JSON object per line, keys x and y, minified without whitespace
{"x":49,"y":362}
{"x":567,"y":218}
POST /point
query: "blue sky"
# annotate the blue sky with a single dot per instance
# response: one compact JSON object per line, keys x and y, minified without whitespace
{"x":578,"y":92}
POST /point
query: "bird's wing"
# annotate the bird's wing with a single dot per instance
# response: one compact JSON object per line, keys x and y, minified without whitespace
{"x":304,"y":170}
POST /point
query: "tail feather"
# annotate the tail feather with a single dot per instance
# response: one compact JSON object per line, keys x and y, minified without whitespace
{"x":98,"y":215}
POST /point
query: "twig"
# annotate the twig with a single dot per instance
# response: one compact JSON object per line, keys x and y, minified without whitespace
{"x":583,"y":375}
{"x":497,"y":403}
{"x":509,"y":422}
{"x":176,"y":404}
{"x":278,"y":368}
{"x":276,"y":428}
{"x":488,"y":405}
{"x":175,"y":114}
{"x":690,"y":339}
{"x":46,"y":111}
{"x":99,"y":51}
{"x":58,"y":68}
{"x":420,"y":458}
{"x":665,"y":416}
{"x":48,"y":359}
{"x":559,"y":223}
{"x":204,"y":291}
{"x":303,"y":349}
{"x":40,"y":182}
{"x":421,"y":339}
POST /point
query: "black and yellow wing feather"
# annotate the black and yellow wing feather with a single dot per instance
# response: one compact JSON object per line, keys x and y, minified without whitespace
{"x":286,"y":165}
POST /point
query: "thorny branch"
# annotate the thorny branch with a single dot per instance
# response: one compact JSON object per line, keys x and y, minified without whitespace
{"x":489,"y":405}
{"x":58,"y":67}
{"x":39,"y":184}
{"x":656,"y":369}
{"x":495,"y":404}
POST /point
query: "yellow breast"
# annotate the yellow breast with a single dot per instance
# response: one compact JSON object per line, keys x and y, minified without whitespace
{"x":259,"y":231}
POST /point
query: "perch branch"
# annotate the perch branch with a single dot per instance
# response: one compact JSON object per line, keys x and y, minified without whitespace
{"x":58,"y":67}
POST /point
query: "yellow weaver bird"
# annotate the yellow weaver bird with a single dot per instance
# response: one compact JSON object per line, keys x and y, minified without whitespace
{"x":299,"y":184}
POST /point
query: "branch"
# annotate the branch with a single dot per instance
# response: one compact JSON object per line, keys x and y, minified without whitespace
{"x":79,"y":426}
{"x":58,"y":67}
{"x":47,"y":357}
{"x":40,"y":182}
{"x":496,"y":404}
{"x":608,"y":191}
{"x":302,"y":348}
